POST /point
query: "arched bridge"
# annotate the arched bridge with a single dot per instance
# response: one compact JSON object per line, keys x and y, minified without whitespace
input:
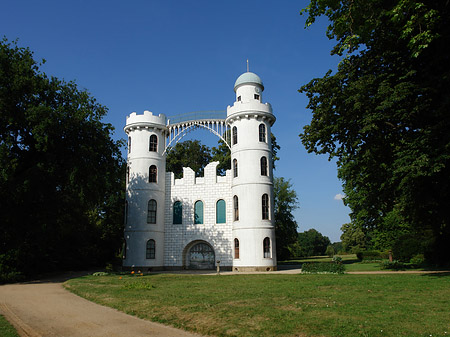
{"x":180,"y":125}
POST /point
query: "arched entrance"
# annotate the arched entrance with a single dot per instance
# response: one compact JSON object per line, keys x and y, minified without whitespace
{"x":199,"y":255}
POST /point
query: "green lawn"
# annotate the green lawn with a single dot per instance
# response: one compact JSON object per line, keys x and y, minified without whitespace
{"x":281,"y":305}
{"x":6,"y":329}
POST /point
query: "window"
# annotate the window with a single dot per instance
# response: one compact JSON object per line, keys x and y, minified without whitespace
{"x":177,"y":213}
{"x":256,"y":97}
{"x":198,"y":212}
{"x":236,"y":248}
{"x":235,"y":168}
{"x":266,"y":244}
{"x":150,"y":254}
{"x":153,"y":145}
{"x":234,"y":135}
{"x":129,"y":144}
{"x":239,"y":98}
{"x":152,"y":174}
{"x":151,"y":212}
{"x":126,"y":212}
{"x":262,"y":133}
{"x":263,"y":166}
{"x":220,"y":211}
{"x":236,"y":208}
{"x":265,"y":207}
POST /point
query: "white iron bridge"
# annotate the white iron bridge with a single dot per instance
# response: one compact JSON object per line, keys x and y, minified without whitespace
{"x":180,"y":125}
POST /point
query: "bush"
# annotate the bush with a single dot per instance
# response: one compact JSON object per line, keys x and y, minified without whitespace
{"x":323,"y":267}
{"x":330,"y":251}
{"x":337,"y":259}
{"x":406,"y":247}
{"x":369,"y":255}
{"x":394,"y":265}
{"x":417,"y":260}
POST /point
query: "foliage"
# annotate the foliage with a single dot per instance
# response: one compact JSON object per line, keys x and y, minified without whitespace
{"x":190,"y":153}
{"x":311,"y":243}
{"x":281,"y":305}
{"x":352,"y":237}
{"x":384,"y":116}
{"x":337,"y":259}
{"x":323,"y":267}
{"x":61,"y":174}
{"x":330,"y":251}
{"x":370,"y":255}
{"x":408,"y":246}
{"x":285,"y":202}
{"x":417,"y":260}
{"x":394,"y":265}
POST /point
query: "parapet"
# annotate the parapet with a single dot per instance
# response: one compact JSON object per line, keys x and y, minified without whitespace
{"x":210,"y":176}
{"x":146,"y":119}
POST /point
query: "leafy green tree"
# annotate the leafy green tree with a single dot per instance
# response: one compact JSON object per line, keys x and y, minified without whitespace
{"x":312,"y":243}
{"x":353,"y":238}
{"x":286,"y":201}
{"x":190,"y":153}
{"x":384,"y":115}
{"x":61,"y":174}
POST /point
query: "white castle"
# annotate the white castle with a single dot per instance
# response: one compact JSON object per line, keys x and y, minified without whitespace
{"x":194,"y":222}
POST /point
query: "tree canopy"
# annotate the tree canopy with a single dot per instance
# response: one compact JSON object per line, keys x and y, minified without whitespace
{"x":61,"y":174}
{"x":385,"y":115}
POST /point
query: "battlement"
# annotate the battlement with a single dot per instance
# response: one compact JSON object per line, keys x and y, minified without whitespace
{"x":210,"y":176}
{"x":253,"y":106}
{"x":146,"y":118}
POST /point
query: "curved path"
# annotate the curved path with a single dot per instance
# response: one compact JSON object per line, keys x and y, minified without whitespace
{"x":45,"y":308}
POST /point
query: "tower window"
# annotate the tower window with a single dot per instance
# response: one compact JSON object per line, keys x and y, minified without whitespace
{"x":153,"y":145}
{"x":236,"y":207}
{"x":152,"y":174}
{"x":265,"y":207}
{"x":239,"y":98}
{"x":129,"y":144}
{"x":151,"y":212}
{"x":236,"y":248}
{"x":256,"y":97}
{"x":177,"y":213}
{"x":262,"y":133}
{"x":221,"y":211}
{"x":198,"y":212}
{"x":264,"y":166}
{"x":266,"y":244}
{"x":235,"y":168}
{"x":235,"y":139}
{"x":150,"y":252}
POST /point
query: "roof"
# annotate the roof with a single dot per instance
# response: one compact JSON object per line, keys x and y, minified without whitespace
{"x":248,"y":78}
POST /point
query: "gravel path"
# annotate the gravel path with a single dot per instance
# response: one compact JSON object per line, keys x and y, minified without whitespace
{"x":45,"y":308}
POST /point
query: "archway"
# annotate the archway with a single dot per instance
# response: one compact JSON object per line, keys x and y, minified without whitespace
{"x":199,"y":255}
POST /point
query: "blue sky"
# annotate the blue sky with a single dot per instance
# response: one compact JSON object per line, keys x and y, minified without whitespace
{"x":174,"y":57}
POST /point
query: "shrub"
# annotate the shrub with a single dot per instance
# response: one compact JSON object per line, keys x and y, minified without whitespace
{"x":394,"y":265}
{"x":369,"y":255}
{"x":323,"y":267}
{"x":406,"y":247}
{"x":337,"y":259}
{"x":330,"y":251}
{"x":417,"y":260}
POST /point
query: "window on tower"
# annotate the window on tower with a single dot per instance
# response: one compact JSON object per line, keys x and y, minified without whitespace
{"x":150,"y":253}
{"x":266,"y":244}
{"x":236,"y":248}
{"x":256,"y":97}
{"x":265,"y":207}
{"x":264,"y":166}
{"x":235,"y":168}
{"x":198,"y":212}
{"x":262,"y":133}
{"x":129,"y":144}
{"x":236,"y":207}
{"x":151,"y":212}
{"x":152,"y":174}
{"x":177,"y":213}
{"x":239,"y":98}
{"x":153,"y":145}
{"x":235,"y":139}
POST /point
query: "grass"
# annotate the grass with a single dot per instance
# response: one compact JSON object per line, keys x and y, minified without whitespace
{"x":6,"y":329}
{"x":280,"y":305}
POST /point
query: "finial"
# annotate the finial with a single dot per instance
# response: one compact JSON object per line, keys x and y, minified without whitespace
{"x":247,"y":66}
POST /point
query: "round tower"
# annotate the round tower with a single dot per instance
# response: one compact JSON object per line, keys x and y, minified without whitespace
{"x":250,"y":121}
{"x":145,"y":191}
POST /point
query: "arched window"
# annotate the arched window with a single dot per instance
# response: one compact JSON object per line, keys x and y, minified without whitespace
{"x":129,"y":144}
{"x":235,"y":168}
{"x":152,"y":174}
{"x":177,"y":213}
{"x":263,"y":166}
{"x":236,"y":248}
{"x":150,"y":253}
{"x":198,"y":212}
{"x":266,"y":244}
{"x":153,"y":145}
{"x":151,"y":212}
{"x":220,"y":211}
{"x":234,"y":135}
{"x":262,"y":133}
{"x":126,"y":212}
{"x":265,"y":207}
{"x":236,"y":208}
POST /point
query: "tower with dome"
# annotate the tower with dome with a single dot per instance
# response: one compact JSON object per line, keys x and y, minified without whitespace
{"x":194,"y":222}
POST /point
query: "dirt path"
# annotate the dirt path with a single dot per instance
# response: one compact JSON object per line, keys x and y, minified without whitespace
{"x":46,"y":309}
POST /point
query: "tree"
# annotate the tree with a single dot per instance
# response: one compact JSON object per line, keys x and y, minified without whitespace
{"x":353,"y":238}
{"x":286,"y":201}
{"x":190,"y":153}
{"x":61,"y":174}
{"x":384,"y":115}
{"x":311,"y":243}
